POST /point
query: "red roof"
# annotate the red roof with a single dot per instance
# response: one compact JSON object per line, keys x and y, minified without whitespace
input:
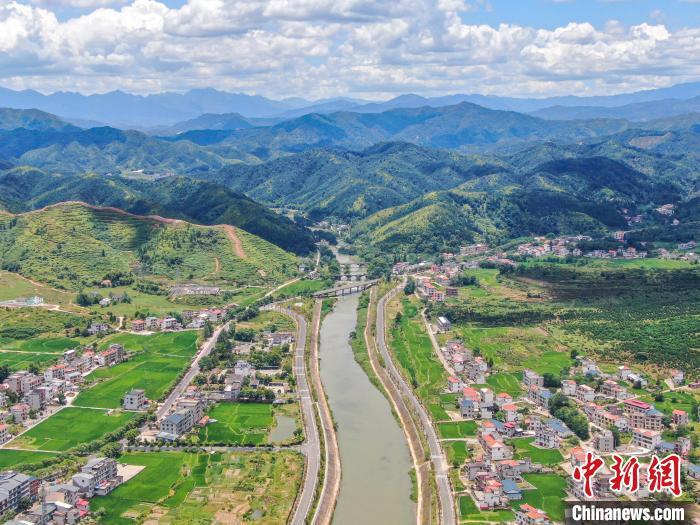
{"x":637,"y":403}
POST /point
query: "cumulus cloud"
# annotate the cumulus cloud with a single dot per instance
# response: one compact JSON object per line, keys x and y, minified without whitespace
{"x":318,"y":48}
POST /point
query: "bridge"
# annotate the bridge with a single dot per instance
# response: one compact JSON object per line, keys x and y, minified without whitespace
{"x":346,"y":289}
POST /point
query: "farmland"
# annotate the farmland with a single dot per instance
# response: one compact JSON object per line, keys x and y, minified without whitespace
{"x":457,"y":430}
{"x":238,"y":423}
{"x":159,"y":359}
{"x":10,"y":458}
{"x":525,"y":449}
{"x":184,"y":488}
{"x":70,"y":427}
{"x":549,"y":494}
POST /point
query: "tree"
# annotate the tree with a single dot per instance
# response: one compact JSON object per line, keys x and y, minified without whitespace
{"x":551,"y":381}
{"x":208,"y":330}
{"x":111,"y":450}
{"x":410,"y":286}
{"x":4,"y":372}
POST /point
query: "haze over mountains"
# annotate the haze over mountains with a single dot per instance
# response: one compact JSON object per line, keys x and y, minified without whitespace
{"x":411,"y":174}
{"x":126,"y":110}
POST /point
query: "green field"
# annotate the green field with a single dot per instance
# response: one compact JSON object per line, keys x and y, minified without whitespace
{"x":159,"y":360}
{"x":524,"y":448}
{"x":303,"y":287}
{"x":49,"y":345}
{"x":549,"y":362}
{"x":415,"y":354}
{"x":22,"y":360}
{"x":70,"y":427}
{"x":548,"y":496}
{"x":457,"y":429}
{"x":468,"y":511}
{"x":456,"y":452}
{"x":179,"y":488}
{"x":238,"y":423}
{"x":9,"y":458}
{"x":683,"y":401}
{"x":504,"y":382}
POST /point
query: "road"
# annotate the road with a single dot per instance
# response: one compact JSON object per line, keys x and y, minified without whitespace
{"x":436,"y":346}
{"x":440,"y":466}
{"x":312,"y":445}
{"x":192,"y":371}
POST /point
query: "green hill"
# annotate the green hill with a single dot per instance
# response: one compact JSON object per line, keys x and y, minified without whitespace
{"x":176,"y":197}
{"x":32,"y":119}
{"x":566,"y":196}
{"x":353,"y":185}
{"x":72,"y":245}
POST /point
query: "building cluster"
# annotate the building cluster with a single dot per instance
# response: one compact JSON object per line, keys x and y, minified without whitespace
{"x":56,"y":502}
{"x":467,"y":367}
{"x":180,"y":290}
{"x":190,"y":319}
{"x":188,"y":411}
{"x":559,"y":247}
{"x":36,"y":392}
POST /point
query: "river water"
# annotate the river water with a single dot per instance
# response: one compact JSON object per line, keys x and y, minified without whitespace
{"x":375,"y":485}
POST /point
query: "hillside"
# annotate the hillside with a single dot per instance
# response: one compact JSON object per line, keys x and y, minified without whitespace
{"x":567,"y":196}
{"x":353,"y":184}
{"x":176,"y":197}
{"x":463,"y":126}
{"x":32,"y":119}
{"x":72,"y":245}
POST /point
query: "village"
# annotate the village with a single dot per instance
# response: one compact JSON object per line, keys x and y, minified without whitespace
{"x":28,"y":398}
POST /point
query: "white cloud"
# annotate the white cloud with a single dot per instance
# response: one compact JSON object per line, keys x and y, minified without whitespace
{"x":317,"y":48}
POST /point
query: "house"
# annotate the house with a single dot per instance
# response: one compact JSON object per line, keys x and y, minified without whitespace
{"x":167,"y":323}
{"x":680,"y":417}
{"x":138,"y":325}
{"x":4,"y":434}
{"x":495,"y":448}
{"x":568,"y":387}
{"x":503,"y":399}
{"x":585,"y":394}
{"x":511,"y":490}
{"x":513,"y":469}
{"x":539,"y":395}
{"x":97,"y":328}
{"x":20,"y":412}
{"x":578,"y":457}
{"x":646,"y":438}
{"x":693,"y":471}
{"x":174,"y":425}
{"x":469,"y":409}
{"x":610,"y":388}
{"x":451,"y":291}
{"x":16,"y":487}
{"x":529,"y":515}
{"x":135,"y":400}
{"x":243,"y":368}
{"x":97,"y":477}
{"x":281,"y":338}
{"x":454,"y":384}
{"x":601,"y":417}
{"x":589,"y":367}
{"x":106,"y":301}
{"x":678,"y":377}
{"x":604,"y":441}
{"x":112,"y":356}
{"x":511,"y":412}
{"x":443,"y":324}
{"x":531,"y":378}
{"x":546,"y":437}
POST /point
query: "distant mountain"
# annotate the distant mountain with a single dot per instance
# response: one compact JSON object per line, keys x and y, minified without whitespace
{"x":570,"y":196}
{"x":125,"y":110}
{"x":104,"y":150}
{"x":638,"y":112}
{"x":350,"y":185}
{"x":72,"y":245}
{"x":463,"y":126}
{"x":216,"y":122}
{"x":32,"y":119}
{"x":24,"y":189}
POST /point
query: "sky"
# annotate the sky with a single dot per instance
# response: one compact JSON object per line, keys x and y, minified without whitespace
{"x":370,"y":49}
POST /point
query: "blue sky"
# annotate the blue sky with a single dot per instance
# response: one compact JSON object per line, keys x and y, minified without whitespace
{"x":365,"y":48}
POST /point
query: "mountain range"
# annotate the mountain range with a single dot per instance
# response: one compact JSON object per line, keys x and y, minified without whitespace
{"x":126,"y":110}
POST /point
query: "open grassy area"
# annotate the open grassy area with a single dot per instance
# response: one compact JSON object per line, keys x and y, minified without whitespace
{"x":14,"y":286}
{"x":178,"y":489}
{"x":272,"y":321}
{"x":549,"y":362}
{"x":70,"y":427}
{"x":468,"y":511}
{"x":302,"y":287}
{"x":159,"y":360}
{"x":414,"y":352}
{"x":456,"y":452}
{"x":676,"y":401}
{"x":238,"y":423}
{"x":548,"y":496}
{"x":22,"y":360}
{"x":10,"y":458}
{"x":524,"y":448}
{"x":504,"y":382}
{"x":457,"y":429}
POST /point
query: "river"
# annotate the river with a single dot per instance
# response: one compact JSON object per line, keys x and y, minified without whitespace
{"x":375,"y":485}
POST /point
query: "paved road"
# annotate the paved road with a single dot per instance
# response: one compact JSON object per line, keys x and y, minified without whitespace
{"x":312,"y":445}
{"x":447,"y":503}
{"x":192,"y":371}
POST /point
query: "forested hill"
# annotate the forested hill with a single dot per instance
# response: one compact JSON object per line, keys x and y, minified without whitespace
{"x":23,"y":189}
{"x":72,"y":245}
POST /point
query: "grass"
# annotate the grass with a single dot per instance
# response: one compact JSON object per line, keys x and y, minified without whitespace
{"x":70,"y":427}
{"x":548,"y":496}
{"x":457,"y":429}
{"x":14,"y":286}
{"x":159,"y":360}
{"x":22,"y":360}
{"x":179,"y":488}
{"x":684,"y":401}
{"x":238,"y":423}
{"x":302,"y":287}
{"x":549,"y":362}
{"x":415,"y":354}
{"x":10,"y":458}
{"x":456,"y":451}
{"x":524,"y":448}
{"x":468,"y":511}
{"x":504,"y":382}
